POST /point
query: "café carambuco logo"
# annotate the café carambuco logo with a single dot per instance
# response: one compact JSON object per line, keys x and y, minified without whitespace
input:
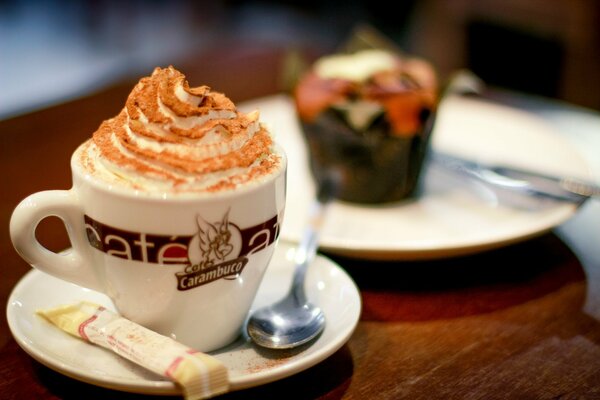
{"x":218,"y":250}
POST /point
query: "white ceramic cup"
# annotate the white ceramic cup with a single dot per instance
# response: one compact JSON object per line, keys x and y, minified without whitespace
{"x":184,"y":265}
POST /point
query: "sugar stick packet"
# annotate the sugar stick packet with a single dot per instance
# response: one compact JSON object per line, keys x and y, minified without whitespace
{"x":200,"y":375}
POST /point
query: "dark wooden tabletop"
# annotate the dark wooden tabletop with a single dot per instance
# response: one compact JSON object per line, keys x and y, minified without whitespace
{"x":520,"y":322}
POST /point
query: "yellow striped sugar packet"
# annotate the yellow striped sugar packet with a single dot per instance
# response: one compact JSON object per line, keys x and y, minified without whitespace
{"x":200,"y":375}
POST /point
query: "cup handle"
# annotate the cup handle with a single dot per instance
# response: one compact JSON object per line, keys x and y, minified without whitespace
{"x":74,"y":265}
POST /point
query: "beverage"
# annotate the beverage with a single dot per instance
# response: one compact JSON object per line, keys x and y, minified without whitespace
{"x":174,"y":212}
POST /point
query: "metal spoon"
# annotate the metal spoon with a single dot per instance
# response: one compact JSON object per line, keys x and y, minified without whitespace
{"x":293,"y":320}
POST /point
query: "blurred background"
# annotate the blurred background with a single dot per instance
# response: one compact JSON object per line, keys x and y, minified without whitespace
{"x":53,"y":51}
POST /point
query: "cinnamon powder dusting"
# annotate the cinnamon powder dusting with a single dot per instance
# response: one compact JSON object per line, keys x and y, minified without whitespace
{"x":192,"y":139}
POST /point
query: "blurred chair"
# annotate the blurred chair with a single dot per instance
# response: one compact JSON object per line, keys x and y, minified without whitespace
{"x":545,"y":47}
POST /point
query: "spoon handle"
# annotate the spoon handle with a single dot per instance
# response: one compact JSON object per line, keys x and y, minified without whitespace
{"x":307,"y":249}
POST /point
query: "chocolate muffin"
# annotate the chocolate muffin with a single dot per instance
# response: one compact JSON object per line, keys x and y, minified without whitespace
{"x":366,"y":119}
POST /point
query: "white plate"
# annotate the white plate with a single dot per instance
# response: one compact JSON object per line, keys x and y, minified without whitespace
{"x":452,"y":216}
{"x":327,"y":286}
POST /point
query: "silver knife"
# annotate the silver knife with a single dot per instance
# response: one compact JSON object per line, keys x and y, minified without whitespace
{"x":516,"y":179}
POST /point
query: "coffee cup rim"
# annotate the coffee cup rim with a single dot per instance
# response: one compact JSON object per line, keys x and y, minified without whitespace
{"x":123,"y":191}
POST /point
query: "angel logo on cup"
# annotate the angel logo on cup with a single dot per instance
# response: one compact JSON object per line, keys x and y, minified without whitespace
{"x":213,"y":254}
{"x":219,"y":249}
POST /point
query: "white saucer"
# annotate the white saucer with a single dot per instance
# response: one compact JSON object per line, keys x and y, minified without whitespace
{"x":451,"y":216}
{"x":327,"y":286}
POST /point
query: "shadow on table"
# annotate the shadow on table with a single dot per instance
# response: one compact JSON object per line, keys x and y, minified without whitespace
{"x":329,"y":378}
{"x":463,"y":286}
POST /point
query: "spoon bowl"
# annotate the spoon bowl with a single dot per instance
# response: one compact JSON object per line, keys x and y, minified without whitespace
{"x":276,"y":327}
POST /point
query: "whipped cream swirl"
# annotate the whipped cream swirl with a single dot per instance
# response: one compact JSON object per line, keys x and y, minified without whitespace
{"x":180,"y":139}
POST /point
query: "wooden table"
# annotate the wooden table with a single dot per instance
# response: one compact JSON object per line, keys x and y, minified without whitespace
{"x":518,"y":322}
